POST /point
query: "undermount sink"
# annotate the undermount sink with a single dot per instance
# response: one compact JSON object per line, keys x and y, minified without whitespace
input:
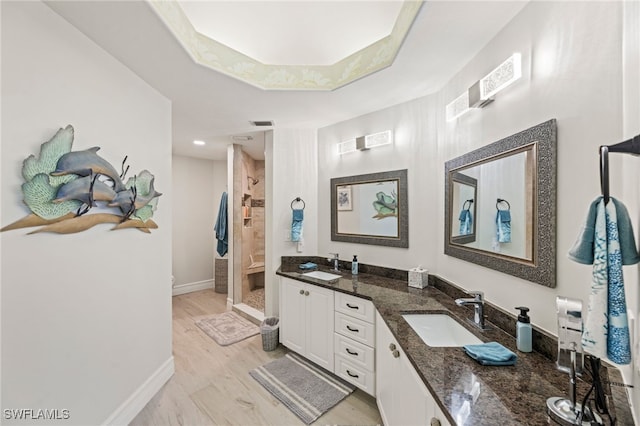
{"x":319,"y":275}
{"x":440,"y":330}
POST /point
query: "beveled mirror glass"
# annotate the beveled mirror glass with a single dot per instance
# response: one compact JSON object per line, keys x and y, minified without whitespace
{"x":512,"y":226}
{"x":371,"y":209}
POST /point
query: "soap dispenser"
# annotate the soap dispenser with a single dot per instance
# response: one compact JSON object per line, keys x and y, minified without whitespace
{"x":523,"y":330}
{"x":354,"y":265}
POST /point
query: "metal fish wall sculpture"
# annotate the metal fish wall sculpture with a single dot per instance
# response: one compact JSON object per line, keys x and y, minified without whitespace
{"x":62,"y":187}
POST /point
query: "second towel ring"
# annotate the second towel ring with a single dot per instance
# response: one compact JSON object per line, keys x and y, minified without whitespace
{"x":298,"y":200}
{"x":500,"y":200}
{"x":464,"y":205}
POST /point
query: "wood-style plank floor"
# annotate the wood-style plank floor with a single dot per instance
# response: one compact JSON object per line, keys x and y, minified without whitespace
{"x":212,"y":386}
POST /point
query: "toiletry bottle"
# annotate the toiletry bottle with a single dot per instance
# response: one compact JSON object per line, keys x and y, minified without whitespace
{"x":354,"y":266}
{"x":523,"y":330}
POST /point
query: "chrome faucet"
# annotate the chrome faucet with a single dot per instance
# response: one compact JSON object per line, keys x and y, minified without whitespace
{"x":478,"y":307}
{"x":335,"y":261}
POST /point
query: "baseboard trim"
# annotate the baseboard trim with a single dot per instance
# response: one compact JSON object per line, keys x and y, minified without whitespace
{"x":138,"y":399}
{"x":189,"y":287}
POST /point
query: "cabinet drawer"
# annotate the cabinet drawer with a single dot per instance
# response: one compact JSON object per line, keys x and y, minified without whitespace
{"x":355,"y":352}
{"x":355,"y":329}
{"x":355,"y":307}
{"x":362,"y":378}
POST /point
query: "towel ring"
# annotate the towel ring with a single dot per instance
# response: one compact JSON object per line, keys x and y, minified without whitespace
{"x":464,"y":205}
{"x":298,"y":200}
{"x":500,"y":200}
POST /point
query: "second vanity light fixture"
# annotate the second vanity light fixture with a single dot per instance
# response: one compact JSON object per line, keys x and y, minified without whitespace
{"x":363,"y":143}
{"x":481,"y":93}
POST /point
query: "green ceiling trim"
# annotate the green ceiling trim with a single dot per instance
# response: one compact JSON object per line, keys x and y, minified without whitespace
{"x":219,"y":57}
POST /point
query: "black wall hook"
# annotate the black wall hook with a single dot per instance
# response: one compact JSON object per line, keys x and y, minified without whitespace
{"x":630,"y":146}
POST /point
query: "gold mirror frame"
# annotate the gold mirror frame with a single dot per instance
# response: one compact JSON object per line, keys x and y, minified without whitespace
{"x":541,"y":266}
{"x":402,"y":239}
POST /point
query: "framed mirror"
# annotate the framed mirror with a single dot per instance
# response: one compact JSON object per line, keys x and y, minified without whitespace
{"x":371,"y":209}
{"x":511,"y":227}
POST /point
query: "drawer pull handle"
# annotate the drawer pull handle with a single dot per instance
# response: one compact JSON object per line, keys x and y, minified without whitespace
{"x":351,"y":374}
{"x":396,"y":354}
{"x":301,"y":291}
{"x":352,"y":307}
{"x":352,"y":353}
{"x":392,"y":347}
{"x":306,"y":293}
{"x":355,"y":330}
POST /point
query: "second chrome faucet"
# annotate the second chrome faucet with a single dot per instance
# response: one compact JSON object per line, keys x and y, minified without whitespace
{"x":478,"y":307}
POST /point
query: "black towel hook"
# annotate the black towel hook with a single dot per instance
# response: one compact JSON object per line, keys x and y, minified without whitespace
{"x":298,"y":200}
{"x":500,"y":200}
{"x":630,"y":146}
{"x":464,"y":205}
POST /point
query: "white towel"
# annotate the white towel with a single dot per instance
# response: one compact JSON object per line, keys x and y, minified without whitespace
{"x":606,"y":331}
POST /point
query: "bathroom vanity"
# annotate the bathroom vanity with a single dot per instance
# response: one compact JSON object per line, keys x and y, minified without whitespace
{"x":415,"y":383}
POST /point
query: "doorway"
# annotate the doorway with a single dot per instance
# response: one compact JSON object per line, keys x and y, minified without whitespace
{"x":246,"y":166}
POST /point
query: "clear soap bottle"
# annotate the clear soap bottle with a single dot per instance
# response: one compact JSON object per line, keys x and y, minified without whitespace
{"x":354,"y":265}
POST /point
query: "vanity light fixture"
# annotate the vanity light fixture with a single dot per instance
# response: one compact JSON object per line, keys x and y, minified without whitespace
{"x":347,"y":146}
{"x":363,"y":143}
{"x":459,"y":106}
{"x":378,"y":139}
{"x":481,"y":92}
{"x":197,"y":142}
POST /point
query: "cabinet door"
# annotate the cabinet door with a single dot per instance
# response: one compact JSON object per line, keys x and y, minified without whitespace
{"x":319,"y":326}
{"x":401,"y":396}
{"x":384,"y":370}
{"x":292,"y":314}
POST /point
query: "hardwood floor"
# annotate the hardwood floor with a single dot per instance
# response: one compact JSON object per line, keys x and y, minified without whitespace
{"x":212,"y":386}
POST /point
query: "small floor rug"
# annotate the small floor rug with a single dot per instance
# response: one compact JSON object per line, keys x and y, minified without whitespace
{"x":227,"y":328}
{"x":304,"y":388}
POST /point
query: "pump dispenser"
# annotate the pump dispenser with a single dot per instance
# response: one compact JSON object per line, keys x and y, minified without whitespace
{"x":354,"y":265}
{"x":523,"y":330}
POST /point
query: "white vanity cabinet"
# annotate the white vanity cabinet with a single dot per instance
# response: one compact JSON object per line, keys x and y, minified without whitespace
{"x":306,"y":321}
{"x":402,"y":397}
{"x":355,"y":341}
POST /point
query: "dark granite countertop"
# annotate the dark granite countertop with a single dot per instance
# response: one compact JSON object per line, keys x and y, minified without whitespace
{"x":467,"y":392}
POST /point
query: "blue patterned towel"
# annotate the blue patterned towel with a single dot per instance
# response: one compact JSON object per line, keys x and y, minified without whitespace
{"x":296,"y":224}
{"x":503,"y":226}
{"x":606,"y":331}
{"x":582,"y":250}
{"x":465,"y":222}
{"x":492,"y":353}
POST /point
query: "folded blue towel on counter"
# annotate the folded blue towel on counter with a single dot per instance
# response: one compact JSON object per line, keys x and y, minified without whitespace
{"x":308,"y":265}
{"x":492,"y":353}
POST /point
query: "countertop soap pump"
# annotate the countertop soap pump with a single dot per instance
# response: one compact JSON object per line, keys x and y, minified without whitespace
{"x":354,"y":265}
{"x":523,"y":330}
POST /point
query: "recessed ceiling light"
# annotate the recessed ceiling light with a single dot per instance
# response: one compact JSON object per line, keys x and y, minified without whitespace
{"x":196,"y":142}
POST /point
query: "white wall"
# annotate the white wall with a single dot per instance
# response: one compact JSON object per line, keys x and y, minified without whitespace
{"x":86,"y":318}
{"x":414,"y":149}
{"x":291,"y":164}
{"x":581,"y":67}
{"x":631,"y":171}
{"x":563,"y":80}
{"x":198,"y":185}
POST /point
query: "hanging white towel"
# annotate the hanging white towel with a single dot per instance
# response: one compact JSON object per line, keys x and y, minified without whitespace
{"x":606,"y":331}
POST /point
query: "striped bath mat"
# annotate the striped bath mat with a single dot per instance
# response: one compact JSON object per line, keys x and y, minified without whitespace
{"x":306,"y":389}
